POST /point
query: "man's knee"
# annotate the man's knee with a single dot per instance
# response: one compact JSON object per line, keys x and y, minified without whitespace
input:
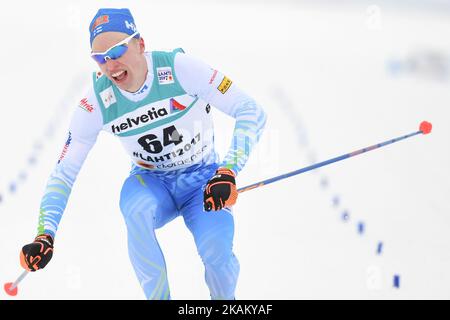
{"x":215,"y":251}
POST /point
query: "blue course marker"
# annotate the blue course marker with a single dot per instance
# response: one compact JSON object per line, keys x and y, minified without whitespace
{"x":12,"y":187}
{"x":379,"y":248}
{"x":396,"y":281}
{"x":336,"y":200}
{"x":361,"y":227}
{"x":32,"y":160}
{"x":22,"y":176}
{"x":345,"y":216}
{"x":394,"y":66}
{"x":38,"y":145}
{"x":324,"y":182}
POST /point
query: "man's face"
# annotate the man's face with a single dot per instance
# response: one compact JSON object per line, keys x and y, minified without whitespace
{"x":127,"y":72}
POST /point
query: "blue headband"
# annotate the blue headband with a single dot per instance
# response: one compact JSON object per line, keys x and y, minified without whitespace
{"x":106,"y":19}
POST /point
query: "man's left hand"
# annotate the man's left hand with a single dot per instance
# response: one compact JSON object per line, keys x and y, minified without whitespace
{"x":220,"y":191}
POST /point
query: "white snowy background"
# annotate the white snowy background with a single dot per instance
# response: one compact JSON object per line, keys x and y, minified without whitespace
{"x":333,"y":76}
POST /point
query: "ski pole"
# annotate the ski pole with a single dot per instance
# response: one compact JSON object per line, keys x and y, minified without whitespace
{"x":11,"y":288}
{"x":424,"y":128}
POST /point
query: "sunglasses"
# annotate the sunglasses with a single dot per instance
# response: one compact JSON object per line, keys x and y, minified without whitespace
{"x":115,"y":52}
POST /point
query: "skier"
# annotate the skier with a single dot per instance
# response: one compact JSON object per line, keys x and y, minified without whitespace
{"x":159,"y":105}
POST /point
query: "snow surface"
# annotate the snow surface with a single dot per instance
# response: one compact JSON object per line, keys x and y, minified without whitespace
{"x":332,"y":79}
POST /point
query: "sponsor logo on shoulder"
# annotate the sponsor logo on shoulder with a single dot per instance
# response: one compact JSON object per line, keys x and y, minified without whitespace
{"x":108,"y":97}
{"x":165,"y":75}
{"x":85,"y":105}
{"x":224,"y":85}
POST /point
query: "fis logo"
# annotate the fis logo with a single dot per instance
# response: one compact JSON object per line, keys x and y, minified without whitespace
{"x":176,"y":106}
{"x":108,"y":97}
{"x":165,"y":75}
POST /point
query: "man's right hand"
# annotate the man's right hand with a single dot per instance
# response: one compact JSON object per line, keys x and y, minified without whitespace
{"x":36,"y":255}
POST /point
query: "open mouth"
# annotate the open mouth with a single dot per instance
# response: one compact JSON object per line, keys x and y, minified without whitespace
{"x":120,"y":76}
